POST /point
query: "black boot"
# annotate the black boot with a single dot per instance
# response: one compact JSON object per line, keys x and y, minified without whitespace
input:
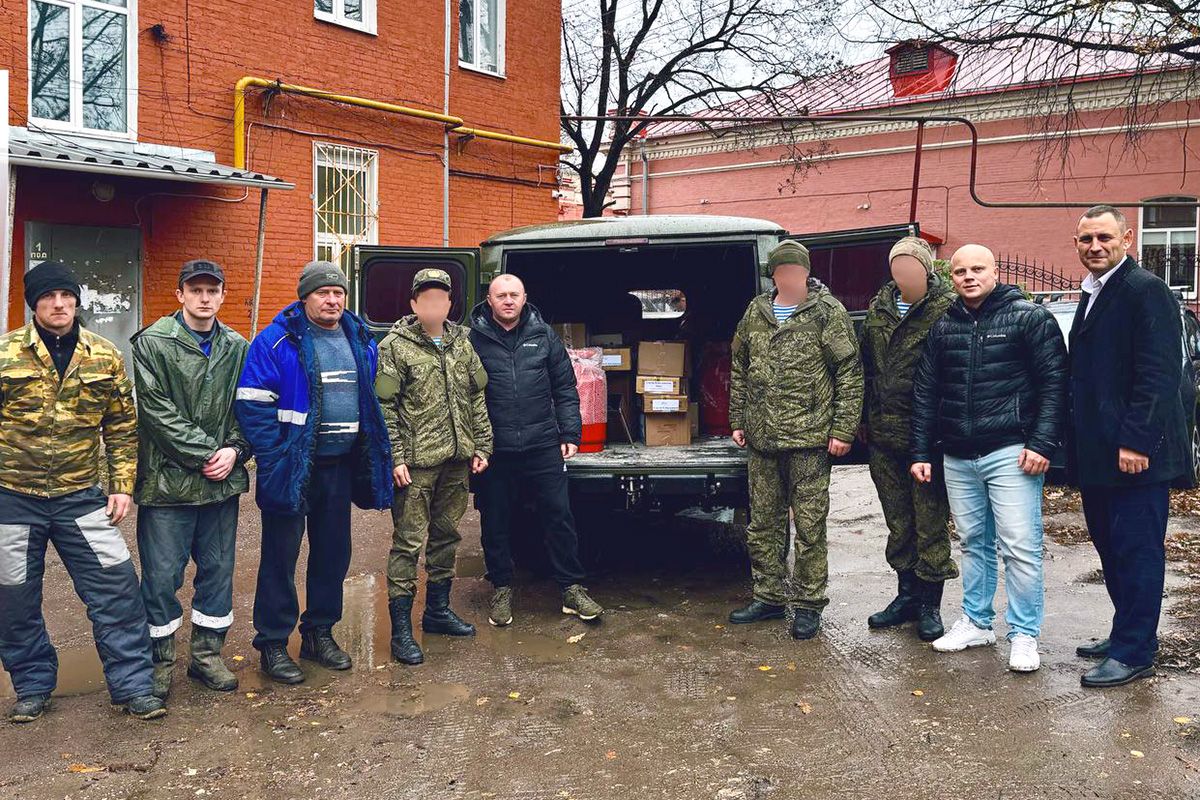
{"x":806,"y":623}
{"x":903,"y":608}
{"x":438,"y":618}
{"x":757,"y":611}
{"x":278,"y":665}
{"x":206,"y":665}
{"x":929,"y":617}
{"x":318,"y":645}
{"x":404,"y":647}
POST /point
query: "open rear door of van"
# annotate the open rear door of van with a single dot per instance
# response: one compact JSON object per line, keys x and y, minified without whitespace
{"x":383,"y":276}
{"x":854,"y":263}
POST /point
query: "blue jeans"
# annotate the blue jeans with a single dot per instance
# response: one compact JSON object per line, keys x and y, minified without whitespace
{"x":995,"y":503}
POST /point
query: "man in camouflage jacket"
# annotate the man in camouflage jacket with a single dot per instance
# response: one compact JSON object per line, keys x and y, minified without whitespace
{"x":917,"y":514}
{"x":62,"y":388}
{"x":795,"y":400}
{"x":431,"y":389}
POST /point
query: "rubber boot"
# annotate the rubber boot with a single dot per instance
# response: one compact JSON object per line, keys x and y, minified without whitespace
{"x":438,"y":618}
{"x":903,"y":608}
{"x":162,"y":654}
{"x":404,"y":647}
{"x":929,"y":615}
{"x":206,"y":665}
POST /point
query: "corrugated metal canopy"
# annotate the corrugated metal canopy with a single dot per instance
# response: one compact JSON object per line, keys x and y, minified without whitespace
{"x":129,"y":159}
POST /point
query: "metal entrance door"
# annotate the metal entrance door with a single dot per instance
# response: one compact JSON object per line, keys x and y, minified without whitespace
{"x":108,"y":263}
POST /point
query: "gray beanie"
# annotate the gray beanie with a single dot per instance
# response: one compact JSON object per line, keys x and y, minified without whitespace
{"x":789,"y":251}
{"x":317,"y":274}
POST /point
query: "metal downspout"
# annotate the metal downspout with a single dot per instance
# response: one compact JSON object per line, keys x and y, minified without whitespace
{"x":645,"y":180}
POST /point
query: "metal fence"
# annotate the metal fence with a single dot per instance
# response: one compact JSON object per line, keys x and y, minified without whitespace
{"x":1033,"y":276}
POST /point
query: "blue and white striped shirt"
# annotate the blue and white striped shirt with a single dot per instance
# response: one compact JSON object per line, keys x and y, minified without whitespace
{"x":783,"y":312}
{"x":901,"y":306}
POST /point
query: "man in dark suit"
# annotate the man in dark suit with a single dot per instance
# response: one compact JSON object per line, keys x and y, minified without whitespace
{"x":1130,"y":435}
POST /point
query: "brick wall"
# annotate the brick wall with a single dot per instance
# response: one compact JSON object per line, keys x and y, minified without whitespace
{"x":186,"y":96}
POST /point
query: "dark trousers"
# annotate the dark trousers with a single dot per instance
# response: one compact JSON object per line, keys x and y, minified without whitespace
{"x":497,"y":490}
{"x":327,"y":519}
{"x":98,"y":561}
{"x":1128,"y":526}
{"x":168,"y":536}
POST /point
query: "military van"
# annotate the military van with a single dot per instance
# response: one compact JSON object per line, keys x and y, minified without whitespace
{"x":644,"y":278}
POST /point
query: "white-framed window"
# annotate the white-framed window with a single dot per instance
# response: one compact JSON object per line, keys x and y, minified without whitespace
{"x":1169,"y":243}
{"x":345,"y":201}
{"x":357,"y":14}
{"x":83,"y":65}
{"x":481,"y":35}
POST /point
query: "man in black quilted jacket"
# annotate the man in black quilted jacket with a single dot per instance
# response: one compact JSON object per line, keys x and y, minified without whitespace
{"x":989,"y":399}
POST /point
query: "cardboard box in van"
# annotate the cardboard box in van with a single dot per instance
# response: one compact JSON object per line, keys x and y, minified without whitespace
{"x":664,"y":430}
{"x":659,"y":384}
{"x":664,"y":403}
{"x":573,"y":334}
{"x":617,"y":359}
{"x":662,"y":358}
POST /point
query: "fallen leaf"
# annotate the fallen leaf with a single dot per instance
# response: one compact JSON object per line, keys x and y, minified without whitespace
{"x":1183,"y":720}
{"x":1137,"y":754}
{"x":479,"y":701}
{"x":764,"y":668}
{"x":918,"y":693}
{"x":83,"y":768}
{"x":719,"y":627}
{"x":514,"y":695}
{"x":576,"y":638}
{"x":239,"y":658}
{"x":251,"y":695}
{"x":791,"y":666}
{"x":730,"y":697}
{"x":610,"y":755}
{"x":804,"y":707}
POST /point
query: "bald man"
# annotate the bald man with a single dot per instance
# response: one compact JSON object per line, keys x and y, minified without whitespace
{"x":989,"y":399}
{"x":533,"y":404}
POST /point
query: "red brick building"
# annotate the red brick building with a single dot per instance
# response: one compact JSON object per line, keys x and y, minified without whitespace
{"x":862,"y":173}
{"x":127,"y":149}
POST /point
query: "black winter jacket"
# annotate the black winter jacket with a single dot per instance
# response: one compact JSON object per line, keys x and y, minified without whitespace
{"x":532,"y":398}
{"x":990,"y":378}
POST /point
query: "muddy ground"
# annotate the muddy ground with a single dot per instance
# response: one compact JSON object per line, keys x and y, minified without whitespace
{"x":661,"y":700}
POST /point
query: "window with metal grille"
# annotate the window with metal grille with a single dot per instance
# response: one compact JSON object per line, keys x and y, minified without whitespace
{"x":345,"y":201}
{"x":912,"y":59}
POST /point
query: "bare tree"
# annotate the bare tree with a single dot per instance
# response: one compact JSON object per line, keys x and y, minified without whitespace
{"x":634,"y":57}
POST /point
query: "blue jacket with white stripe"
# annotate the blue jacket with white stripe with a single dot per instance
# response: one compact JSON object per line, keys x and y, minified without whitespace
{"x":275,"y":410}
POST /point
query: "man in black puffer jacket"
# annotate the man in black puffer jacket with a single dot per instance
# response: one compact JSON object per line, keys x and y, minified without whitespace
{"x":990,"y":397}
{"x":533,"y":403}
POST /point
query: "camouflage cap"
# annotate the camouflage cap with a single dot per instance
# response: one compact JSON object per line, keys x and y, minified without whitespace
{"x":431,"y":276}
{"x":788,"y":251}
{"x":916,"y":247}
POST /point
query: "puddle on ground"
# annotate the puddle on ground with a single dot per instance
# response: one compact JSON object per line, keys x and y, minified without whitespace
{"x":417,"y":700}
{"x":79,"y":672}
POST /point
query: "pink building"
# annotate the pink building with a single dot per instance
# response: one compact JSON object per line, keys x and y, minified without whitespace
{"x":863,"y":173}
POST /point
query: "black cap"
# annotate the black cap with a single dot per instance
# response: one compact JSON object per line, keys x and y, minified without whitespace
{"x":200,"y":266}
{"x":47,"y":277}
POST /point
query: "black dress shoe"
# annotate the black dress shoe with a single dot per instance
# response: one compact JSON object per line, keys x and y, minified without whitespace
{"x":278,"y":665}
{"x":757,"y":611}
{"x":318,"y":645}
{"x":1097,"y":650}
{"x":29,"y":708}
{"x":806,"y":624}
{"x":1111,"y":672}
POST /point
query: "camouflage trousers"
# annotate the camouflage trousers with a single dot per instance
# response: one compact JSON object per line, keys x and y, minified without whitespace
{"x":917,"y":516}
{"x":798,"y":479}
{"x":432,"y":506}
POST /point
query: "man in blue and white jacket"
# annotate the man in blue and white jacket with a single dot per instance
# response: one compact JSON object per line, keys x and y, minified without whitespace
{"x":306,"y":403}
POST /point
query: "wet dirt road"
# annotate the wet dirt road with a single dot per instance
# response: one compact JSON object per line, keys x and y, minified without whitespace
{"x":662,"y":700}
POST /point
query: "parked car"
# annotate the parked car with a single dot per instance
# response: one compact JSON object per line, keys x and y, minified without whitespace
{"x":1063,"y":306}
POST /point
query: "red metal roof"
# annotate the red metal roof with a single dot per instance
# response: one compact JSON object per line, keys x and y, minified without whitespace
{"x":979,"y":71}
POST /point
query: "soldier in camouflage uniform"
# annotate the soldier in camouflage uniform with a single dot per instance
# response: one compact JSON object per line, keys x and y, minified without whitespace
{"x":430,"y":386}
{"x":795,"y":400}
{"x":62,"y":388}
{"x":917,"y":514}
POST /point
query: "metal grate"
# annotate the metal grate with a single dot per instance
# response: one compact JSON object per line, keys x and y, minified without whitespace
{"x":912,"y":60}
{"x":345,"y":201}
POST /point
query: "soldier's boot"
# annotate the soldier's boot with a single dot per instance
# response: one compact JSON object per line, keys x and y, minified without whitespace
{"x":929,"y":617}
{"x":904,"y":608}
{"x":404,"y":647}
{"x":806,"y":623}
{"x":438,"y":618}
{"x":206,"y":665}
{"x":757,"y":611}
{"x":162,"y":655}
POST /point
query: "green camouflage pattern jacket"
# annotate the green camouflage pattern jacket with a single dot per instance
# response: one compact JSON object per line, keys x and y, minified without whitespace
{"x":432,"y":398}
{"x":891,"y":349}
{"x":50,"y":430}
{"x":796,"y":385}
{"x":185,"y":404}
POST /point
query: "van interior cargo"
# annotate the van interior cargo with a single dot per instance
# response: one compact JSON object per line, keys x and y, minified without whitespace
{"x":595,"y":286}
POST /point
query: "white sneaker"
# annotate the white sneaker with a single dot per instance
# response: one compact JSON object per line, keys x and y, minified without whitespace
{"x":1024,"y":654}
{"x":964,"y":634}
